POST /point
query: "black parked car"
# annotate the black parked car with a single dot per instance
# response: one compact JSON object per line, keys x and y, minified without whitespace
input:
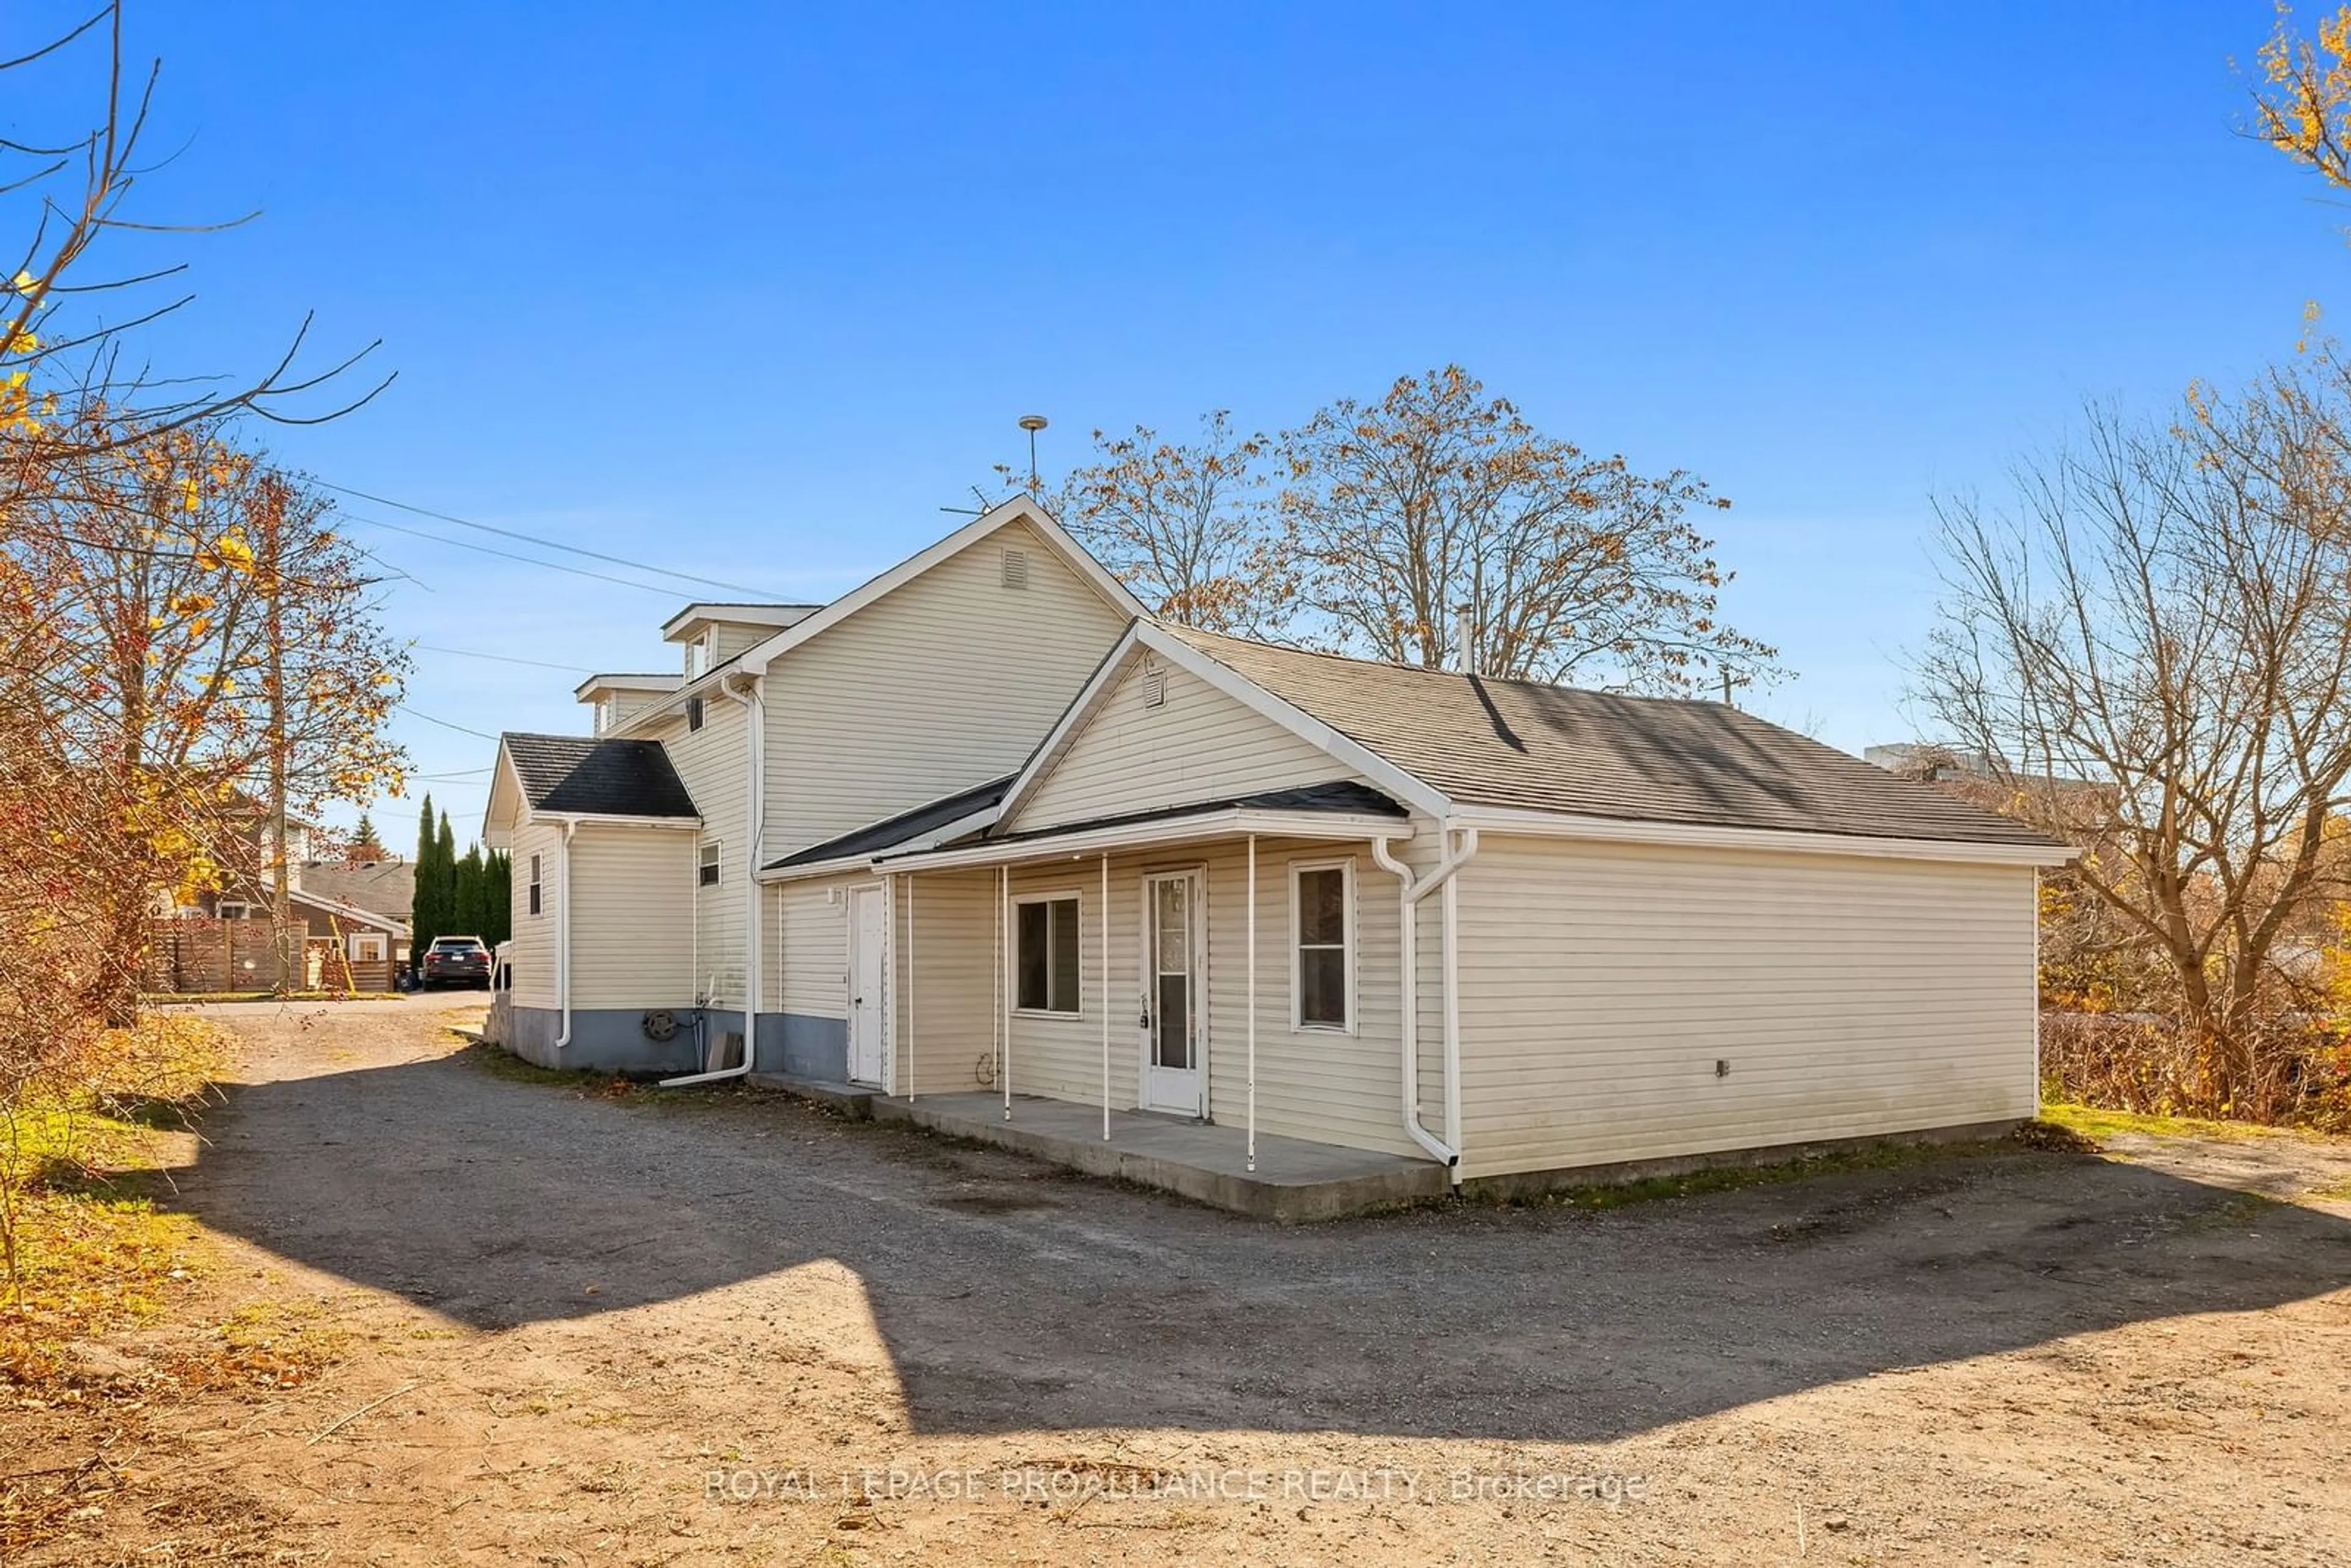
{"x":454,"y":961}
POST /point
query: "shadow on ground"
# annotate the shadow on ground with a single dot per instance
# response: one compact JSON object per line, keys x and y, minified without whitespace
{"x":1009,"y":1297}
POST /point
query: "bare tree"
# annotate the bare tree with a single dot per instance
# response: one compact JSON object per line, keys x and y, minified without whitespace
{"x":1189,"y":528}
{"x":2153,"y":641}
{"x":1436,"y":500}
{"x":67,"y":328}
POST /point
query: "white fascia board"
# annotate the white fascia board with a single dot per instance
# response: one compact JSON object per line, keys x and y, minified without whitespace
{"x":1042,"y":760}
{"x":709,"y":612}
{"x":1406,"y":788}
{"x":1683,"y":835}
{"x":506,"y":786}
{"x":626,"y":683}
{"x":599,"y":820}
{"x":708,"y":684}
{"x":1230,"y":822}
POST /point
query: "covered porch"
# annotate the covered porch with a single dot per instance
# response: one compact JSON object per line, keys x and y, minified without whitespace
{"x":1210,"y":999}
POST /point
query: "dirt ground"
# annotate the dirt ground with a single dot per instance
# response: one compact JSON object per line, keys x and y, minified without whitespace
{"x":569,"y":1327}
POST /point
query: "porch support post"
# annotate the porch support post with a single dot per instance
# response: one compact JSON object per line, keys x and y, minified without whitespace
{"x":1004,"y":931}
{"x":1104,"y":924}
{"x":1252,"y":1002}
{"x":907,"y":880}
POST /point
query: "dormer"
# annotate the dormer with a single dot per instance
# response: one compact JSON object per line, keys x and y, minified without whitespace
{"x":616,"y":698}
{"x":711,"y":635}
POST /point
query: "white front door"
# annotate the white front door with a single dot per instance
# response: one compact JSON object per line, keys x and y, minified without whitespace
{"x":1174,"y":1033}
{"x":868,"y":927}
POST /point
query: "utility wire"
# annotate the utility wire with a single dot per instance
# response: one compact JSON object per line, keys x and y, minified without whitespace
{"x":668,"y":593}
{"x":551,"y":544}
{"x":445,"y":724}
{"x":503,"y":659}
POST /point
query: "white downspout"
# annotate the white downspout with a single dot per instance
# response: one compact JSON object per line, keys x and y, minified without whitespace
{"x":1410,"y":892}
{"x":563,"y":930}
{"x":756,"y":728}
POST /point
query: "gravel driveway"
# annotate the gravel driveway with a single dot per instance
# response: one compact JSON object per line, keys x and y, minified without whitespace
{"x":595,"y":1315}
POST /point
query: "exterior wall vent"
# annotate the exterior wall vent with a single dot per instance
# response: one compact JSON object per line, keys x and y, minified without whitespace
{"x":1015,"y":569}
{"x":1155,"y":686}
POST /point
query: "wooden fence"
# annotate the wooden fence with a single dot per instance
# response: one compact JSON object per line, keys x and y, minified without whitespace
{"x":192,"y":955}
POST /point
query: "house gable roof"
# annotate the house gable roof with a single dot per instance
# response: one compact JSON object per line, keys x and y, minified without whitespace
{"x":575,"y":775}
{"x":1533,"y":747}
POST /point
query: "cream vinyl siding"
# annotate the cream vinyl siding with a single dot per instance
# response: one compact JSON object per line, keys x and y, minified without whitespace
{"x":939,"y":1031}
{"x":811,"y":948}
{"x":947,"y":680}
{"x":728,"y":638}
{"x":1849,"y":996}
{"x":1197,"y":745}
{"x":535,"y":935}
{"x":633,"y":929}
{"x":1333,"y":1087}
{"x":710,"y":763}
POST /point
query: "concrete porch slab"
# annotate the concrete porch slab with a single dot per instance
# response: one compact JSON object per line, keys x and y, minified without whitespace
{"x":853,"y":1101}
{"x":1295,"y":1180}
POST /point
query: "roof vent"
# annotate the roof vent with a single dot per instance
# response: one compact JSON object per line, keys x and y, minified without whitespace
{"x":1155,"y":686}
{"x":1015,"y":569}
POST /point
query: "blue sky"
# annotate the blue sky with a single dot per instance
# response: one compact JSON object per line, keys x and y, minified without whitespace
{"x":752,"y":291}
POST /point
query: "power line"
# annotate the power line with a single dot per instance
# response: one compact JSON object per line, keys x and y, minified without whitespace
{"x":445,"y":724}
{"x":547,"y":544}
{"x":503,"y":659}
{"x":668,"y":593}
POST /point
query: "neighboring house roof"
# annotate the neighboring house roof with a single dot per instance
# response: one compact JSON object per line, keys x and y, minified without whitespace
{"x":580,"y":775}
{"x":905,"y":828}
{"x":1535,"y":746}
{"x":349,"y":912}
{"x":387,"y":887}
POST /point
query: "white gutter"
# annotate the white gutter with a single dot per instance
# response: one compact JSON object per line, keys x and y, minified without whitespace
{"x":1695,"y":835}
{"x":755,"y":721}
{"x":563,"y":930}
{"x":1409,"y":895}
{"x":1085,"y":844}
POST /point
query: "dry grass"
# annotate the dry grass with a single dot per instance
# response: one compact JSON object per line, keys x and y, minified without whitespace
{"x":2098,"y":1122}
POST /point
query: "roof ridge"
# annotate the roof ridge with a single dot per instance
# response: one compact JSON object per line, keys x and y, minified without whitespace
{"x":1189,"y":633}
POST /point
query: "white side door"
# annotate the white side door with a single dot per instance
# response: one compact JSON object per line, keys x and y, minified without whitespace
{"x":1175,"y":1031}
{"x":868,"y":932}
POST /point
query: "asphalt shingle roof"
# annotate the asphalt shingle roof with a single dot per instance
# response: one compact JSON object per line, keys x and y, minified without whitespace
{"x":892,"y":831}
{"x":598,"y":778}
{"x":1536,"y":746}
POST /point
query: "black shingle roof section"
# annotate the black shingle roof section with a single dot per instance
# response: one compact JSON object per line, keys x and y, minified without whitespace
{"x":892,"y":831}
{"x":598,"y":778}
{"x":1542,"y":748}
{"x":1340,"y":795}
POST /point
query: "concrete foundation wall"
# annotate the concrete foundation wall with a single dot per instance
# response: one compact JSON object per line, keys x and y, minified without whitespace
{"x":603,"y":1040}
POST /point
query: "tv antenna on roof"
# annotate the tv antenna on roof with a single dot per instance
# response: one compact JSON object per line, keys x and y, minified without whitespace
{"x":1033,"y":424}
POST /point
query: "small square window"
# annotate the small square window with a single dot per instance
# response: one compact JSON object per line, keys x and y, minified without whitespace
{"x":705,"y":869}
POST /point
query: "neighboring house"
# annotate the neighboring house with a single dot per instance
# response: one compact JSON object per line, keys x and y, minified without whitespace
{"x":367,"y":903}
{"x":1009,"y":835}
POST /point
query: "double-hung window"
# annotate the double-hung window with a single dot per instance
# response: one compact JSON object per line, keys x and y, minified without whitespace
{"x":1323,"y":923}
{"x":534,"y":885}
{"x":705,"y":865}
{"x":1045,"y":943}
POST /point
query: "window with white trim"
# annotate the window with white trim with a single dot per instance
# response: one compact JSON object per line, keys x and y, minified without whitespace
{"x":534,"y":885}
{"x":1046,"y":953}
{"x":705,"y":865}
{"x":1323,"y":930}
{"x":605,"y":710}
{"x":697,"y":657}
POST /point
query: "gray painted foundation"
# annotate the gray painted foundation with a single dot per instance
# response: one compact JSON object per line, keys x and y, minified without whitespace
{"x":611,"y":1039}
{"x":603,"y":1040}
